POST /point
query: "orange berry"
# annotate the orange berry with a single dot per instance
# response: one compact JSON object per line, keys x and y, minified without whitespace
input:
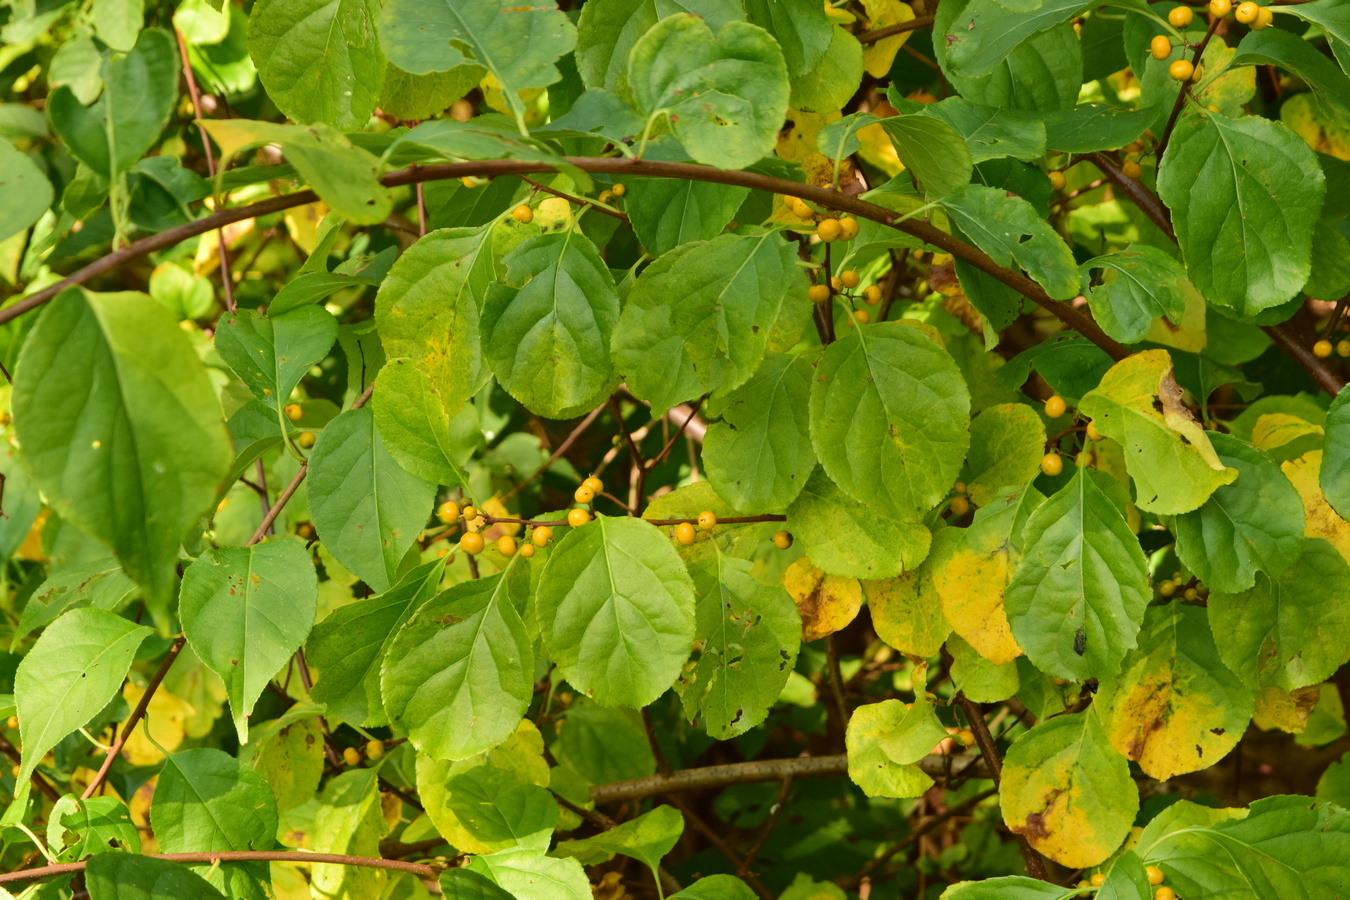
{"x":506,"y":546}
{"x":618,"y":190}
{"x":1092,"y":432}
{"x":1055,"y":406}
{"x":848,"y":228}
{"x":1181,"y":70}
{"x":1264,"y":19}
{"x":872,"y":295}
{"x":1155,"y":875}
{"x":306,"y":440}
{"x":595,"y":484}
{"x":707,"y":520}
{"x":1132,"y":170}
{"x":1056,"y":180}
{"x":471,"y":542}
{"x":523,"y":214}
{"x":1098,"y":879}
{"x":1052,"y":464}
{"x":862,"y":316}
{"x":960,"y":506}
{"x":470,"y":513}
{"x":375,"y":751}
{"x":448,"y":511}
{"x":1160,"y":47}
{"x":819,"y":293}
{"x":293,"y":412}
{"x":849,"y":278}
{"x":1220,"y":8}
{"x":583,"y":494}
{"x":782,"y":539}
{"x":541,"y":535}
{"x":577,"y":517}
{"x":1247,"y":12}
{"x":828,"y":230}
{"x":685,"y":533}
{"x":351,"y":756}
{"x":1180,"y":16}
{"x":1164,"y":893}
{"x":1322,"y":349}
{"x":527,"y":551}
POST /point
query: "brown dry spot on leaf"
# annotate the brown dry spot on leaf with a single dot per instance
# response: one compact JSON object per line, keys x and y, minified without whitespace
{"x":1285,"y":710}
{"x":826,"y":603}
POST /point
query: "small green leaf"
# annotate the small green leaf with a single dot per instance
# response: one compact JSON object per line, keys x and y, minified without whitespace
{"x":1010,"y":230}
{"x":1093,"y":126}
{"x":1006,"y":444}
{"x":1275,"y":46}
{"x":987,"y":31}
{"x":129,"y":876}
{"x":843,"y":537}
{"x":245,"y":610}
{"x":99,"y":824}
{"x":411,"y":416}
{"x":647,"y":838}
{"x":800,"y":27}
{"x":668,"y":212}
{"x":617,"y":610}
{"x":989,"y":132}
{"x":1336,"y":455}
{"x":907,"y":611}
{"x":1334,"y":20}
{"x":1007,"y":887}
{"x":349,"y":821}
{"x":465,"y":884}
{"x":604,"y":745}
{"x":1139,"y":286}
{"x":208,"y":800}
{"x":978,"y":678}
{"x":271,"y":354}
{"x":25,"y":192}
{"x":498,"y":808}
{"x":828,"y":87}
{"x":530,"y":875}
{"x":885,"y":741}
{"x":935,"y":152}
{"x":118,"y":22}
{"x":716,"y":887}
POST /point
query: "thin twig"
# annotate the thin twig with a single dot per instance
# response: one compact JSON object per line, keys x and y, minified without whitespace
{"x":557,"y":454}
{"x":421,"y":213}
{"x":627,"y":435}
{"x":1147,"y":201}
{"x":768,"y":827}
{"x":556,"y":523}
{"x":661,"y":765}
{"x":722,"y":846}
{"x":1186,"y":86}
{"x":836,"y":679}
{"x":579,"y":201}
{"x":38,"y":781}
{"x":913,"y":837}
{"x":693,"y":411}
{"x":424,"y":870}
{"x":880,"y":34}
{"x":1335,"y":319}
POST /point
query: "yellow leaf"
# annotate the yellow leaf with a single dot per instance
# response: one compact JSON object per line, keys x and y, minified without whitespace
{"x":1277,"y":429}
{"x":1188,"y":334}
{"x":907,"y":612}
{"x":495,"y":507}
{"x":878,"y":57}
{"x":826,"y":602}
{"x":302,"y":223}
{"x":165,"y":717}
{"x":31,"y":548}
{"x":1323,"y":134}
{"x":1285,"y":710}
{"x":1321,"y":521}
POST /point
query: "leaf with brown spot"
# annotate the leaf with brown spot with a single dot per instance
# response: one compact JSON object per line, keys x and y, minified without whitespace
{"x":1286,"y":710}
{"x":826,"y":603}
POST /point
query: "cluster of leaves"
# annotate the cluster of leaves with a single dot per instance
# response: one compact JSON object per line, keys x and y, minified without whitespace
{"x":735,"y":261}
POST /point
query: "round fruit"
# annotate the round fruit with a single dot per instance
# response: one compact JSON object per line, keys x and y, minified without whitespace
{"x":1098,"y":879}
{"x":1132,"y":170}
{"x":1247,"y":12}
{"x":872,"y":295}
{"x":685,"y":533}
{"x":294,"y":412}
{"x":818,"y":293}
{"x":1092,"y":432}
{"x":1160,"y":47}
{"x":306,"y":439}
{"x":1167,"y":588}
{"x":848,"y":228}
{"x":13,"y":721}
{"x":836,"y":284}
{"x":1181,"y":70}
{"x":966,"y":737}
{"x":782,"y":539}
{"x":583,"y":494}
{"x":1083,"y":460}
{"x":1164,"y":893}
{"x":1052,"y":464}
{"x":448,"y":511}
{"x":1264,"y":19}
{"x":351,"y":756}
{"x":1197,"y":74}
{"x":1055,"y":406}
{"x":1155,"y":875}
{"x":707,"y":520}
{"x":959,"y":487}
{"x":1084,"y":884}
{"x":1056,"y":180}
{"x":828,"y":230}
{"x":1191,"y":594}
{"x":1180,"y":16}
{"x":798,"y":207}
{"x":1343,"y":348}
{"x":595,"y":484}
{"x":849,"y":278}
{"x":375,"y":751}
{"x":470,"y":513}
{"x":471,"y":542}
{"x":960,"y":506}
{"x":527,"y":551}
{"x":577,"y":517}
{"x":1220,"y":8}
{"x":523,"y":214}
{"x":606,"y":196}
{"x":506,"y":546}
{"x":862,"y":317}
{"x":541,"y":535}
{"x":618,"y":190}
{"x":1322,"y":349}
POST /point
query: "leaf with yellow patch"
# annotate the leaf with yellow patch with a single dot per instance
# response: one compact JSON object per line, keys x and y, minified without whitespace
{"x":1285,"y":710}
{"x":1138,"y":404}
{"x":1322,"y":521}
{"x":907,"y":612}
{"x":978,"y":678}
{"x":1006,"y":444}
{"x":972,"y":568}
{"x":1175,"y":707}
{"x":879,"y":55}
{"x":1068,"y":791}
{"x":826,"y":603}
{"x":1274,"y":430}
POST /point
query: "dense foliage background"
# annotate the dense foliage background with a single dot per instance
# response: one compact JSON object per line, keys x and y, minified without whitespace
{"x":651,"y":448}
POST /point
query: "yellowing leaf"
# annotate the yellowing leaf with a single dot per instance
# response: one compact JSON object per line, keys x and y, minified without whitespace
{"x":495,"y":507}
{"x":1005,"y":449}
{"x":165,"y":717}
{"x":826,"y":602}
{"x":907,"y":612}
{"x":878,"y":56}
{"x":1188,"y":334}
{"x":1321,"y":520}
{"x":1323,"y":133}
{"x":1138,"y":404}
{"x":885,"y":741}
{"x":1277,"y":429}
{"x":1285,"y":710}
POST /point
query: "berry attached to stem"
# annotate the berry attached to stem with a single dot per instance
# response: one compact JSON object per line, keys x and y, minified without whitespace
{"x":1056,"y":180}
{"x":685,"y":533}
{"x":506,"y":546}
{"x":523,"y":214}
{"x":828,"y":230}
{"x":1055,"y":406}
{"x":448,"y":511}
{"x":1322,"y":349}
{"x":707,"y":520}
{"x":1181,"y":70}
{"x":819,"y":293}
{"x":1160,"y":47}
{"x":577,"y":517}
{"x":782,"y":539}
{"x":471,"y":542}
{"x":1180,"y":16}
{"x":541,"y":535}
{"x":1052,"y":464}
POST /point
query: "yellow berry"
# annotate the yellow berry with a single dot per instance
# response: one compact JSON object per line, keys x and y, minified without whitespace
{"x":1098,"y":879}
{"x":1247,"y":12}
{"x":1052,"y":464}
{"x":1322,"y":349}
{"x":707,"y":520}
{"x":872,"y":295}
{"x":351,"y":756}
{"x":1083,"y":459}
{"x":848,"y":228}
{"x":471,"y":542}
{"x":583,"y":494}
{"x":618,"y":190}
{"x":1264,"y":19}
{"x":541,"y":535}
{"x":818,"y":293}
{"x":798,"y":207}
{"x":966,"y":737}
{"x":685,"y":533}
{"x":1055,"y":406}
{"x":1198,"y":74}
{"x":1181,"y":70}
{"x":1056,"y":180}
{"x":1180,"y":16}
{"x":828,"y":230}
{"x":523,"y":214}
{"x":1191,"y":594}
{"x":1167,"y":588}
{"x":836,"y":284}
{"x":448,"y":511}
{"x":1164,"y":893}
{"x":1155,"y":875}
{"x":849,"y":278}
{"x":293,"y":412}
{"x":1132,"y":170}
{"x":782,"y":539}
{"x":1343,"y":348}
{"x":1084,"y":884}
{"x":306,"y":439}
{"x":606,"y":196}
{"x":13,"y":721}
{"x":960,"y":506}
{"x":1160,"y":47}
{"x":375,"y":751}
{"x":862,"y":316}
{"x":506,"y":546}
{"x":959,"y":487}
{"x":527,"y":551}
{"x":470,"y":513}
{"x":577,"y":517}
{"x":1220,"y":8}
{"x":595,"y":484}
{"x":1092,"y":432}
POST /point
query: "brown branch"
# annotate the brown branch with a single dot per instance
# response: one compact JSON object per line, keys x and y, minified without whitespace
{"x":1326,"y":377}
{"x":557,"y":523}
{"x":880,"y":34}
{"x":1147,"y":201}
{"x":693,"y":411}
{"x":562,"y":448}
{"x":929,"y":234}
{"x":768,"y":827}
{"x":627,"y":435}
{"x":1186,"y":87}
{"x":836,"y":679}
{"x":424,"y":870}
{"x":38,"y":781}
{"x":720,"y":843}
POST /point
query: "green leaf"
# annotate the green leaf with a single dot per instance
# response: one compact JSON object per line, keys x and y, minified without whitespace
{"x":208,"y":800}
{"x":647,"y":838}
{"x":885,"y":741}
{"x":129,"y":876}
{"x":69,"y":675}
{"x":1077,"y":599}
{"x":1093,"y":126}
{"x":800,"y":26}
{"x":464,"y":884}
{"x":350,"y":821}
{"x":716,"y":887}
{"x":608,"y":29}
{"x":1336,"y":455}
{"x":1010,"y":230}
{"x":417,"y":97}
{"x":1254,"y":524}
{"x":1334,"y":19}
{"x":1287,"y":632}
{"x":759,"y":455}
{"x":668,"y":212}
{"x":748,"y":635}
{"x":1008,"y":887}
{"x":699,"y":318}
{"x":1175,"y":707}
{"x":271,"y":354}
{"x":1286,"y":847}
{"x":617,"y":610}
{"x":245,"y":610}
{"x":518,"y":45}
{"x":1214,"y":165}
{"x":100,"y":825}
{"x":1006,"y":444}
{"x":410,"y":414}
{"x":989,"y":132}
{"x":345,"y":176}
{"x":987,"y":31}
{"x":25,"y":192}
{"x":978,"y":678}
{"x":546,"y":330}
{"x":367,"y":509}
{"x":1138,"y":405}
{"x":604,"y":745}
{"x":932,"y":150}
{"x":1334,"y":785}
{"x":1067,"y":791}
{"x":459,"y":674}
{"x":288,"y":753}
{"x":1127,"y":879}
{"x":319,"y":59}
{"x":497,"y":807}
{"x":348,"y":646}
{"x":123,"y":452}
{"x":1139,"y":286}
{"x":102,"y":585}
{"x":118,"y":22}
{"x":530,"y":875}
{"x":889,"y":414}
{"x":828,"y":87}
{"x":843,"y":537}
{"x":725,"y":94}
{"x":1277,"y":47}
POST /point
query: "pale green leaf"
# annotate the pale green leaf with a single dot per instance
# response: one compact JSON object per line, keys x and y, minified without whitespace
{"x":1011,"y":231}
{"x":608,"y":29}
{"x":987,"y":31}
{"x":1006,"y":444}
{"x":800,"y":27}
{"x":1139,"y":285}
{"x":118,"y":22}
{"x":932,"y":150}
{"x":647,"y":838}
{"x":349,"y":820}
{"x":271,"y":354}
{"x":130,"y":876}
{"x":530,"y":875}
{"x":828,"y":87}
{"x":208,"y":800}
{"x":99,"y":825}
{"x":500,"y":809}
{"x":978,"y":678}
{"x":990,"y":132}
{"x":25,"y":192}
{"x":885,"y":740}
{"x":844,"y":537}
